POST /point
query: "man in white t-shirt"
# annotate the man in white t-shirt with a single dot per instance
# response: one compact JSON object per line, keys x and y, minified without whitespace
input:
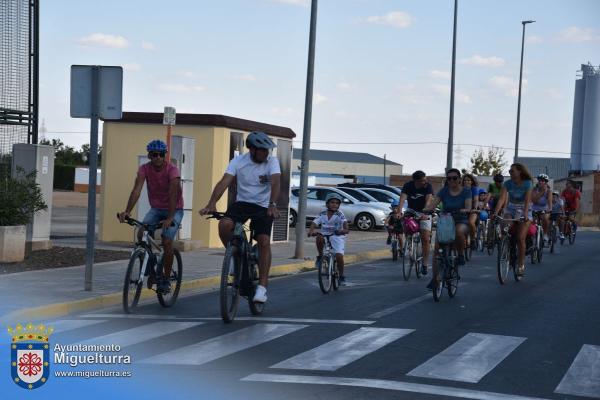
{"x":257,"y":176}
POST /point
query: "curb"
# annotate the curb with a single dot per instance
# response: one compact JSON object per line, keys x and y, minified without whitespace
{"x":113,"y":299}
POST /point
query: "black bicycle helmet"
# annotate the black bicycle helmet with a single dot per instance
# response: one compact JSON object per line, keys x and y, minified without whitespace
{"x":259,"y":140}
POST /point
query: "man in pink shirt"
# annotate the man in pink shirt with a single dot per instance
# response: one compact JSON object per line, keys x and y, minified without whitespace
{"x":164,"y":193}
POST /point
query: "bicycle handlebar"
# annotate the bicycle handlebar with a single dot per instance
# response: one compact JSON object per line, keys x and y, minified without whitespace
{"x":149,"y":227}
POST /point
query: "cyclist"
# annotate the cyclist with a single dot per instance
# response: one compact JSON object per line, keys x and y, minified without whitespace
{"x":418,"y":193}
{"x":483,"y":203}
{"x":541,"y":200}
{"x":516,"y":195}
{"x":470,"y":182}
{"x":457,"y":201}
{"x":394,"y":224}
{"x":332,"y":222}
{"x":257,"y":175}
{"x":572,"y":198}
{"x":558,"y":211}
{"x":166,"y":201}
{"x":494,"y":190}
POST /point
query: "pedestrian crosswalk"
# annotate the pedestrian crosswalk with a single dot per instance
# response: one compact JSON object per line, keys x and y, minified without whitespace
{"x":466,"y":360}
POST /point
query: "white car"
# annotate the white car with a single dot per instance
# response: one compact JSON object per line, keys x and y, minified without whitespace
{"x":361,"y":214}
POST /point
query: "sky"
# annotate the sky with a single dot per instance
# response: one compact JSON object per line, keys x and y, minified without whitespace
{"x":382,"y":69}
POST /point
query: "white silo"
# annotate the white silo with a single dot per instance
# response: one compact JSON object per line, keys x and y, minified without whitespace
{"x":577,"y":132}
{"x":590,"y":139}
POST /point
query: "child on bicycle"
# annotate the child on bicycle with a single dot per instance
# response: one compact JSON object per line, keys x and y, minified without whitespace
{"x":332,"y":222}
{"x":558,"y":210}
{"x":394,"y":224}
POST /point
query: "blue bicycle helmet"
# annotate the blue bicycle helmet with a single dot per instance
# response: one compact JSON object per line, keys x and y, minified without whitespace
{"x":157,"y":145}
{"x":483,"y":215}
{"x":260,"y":140}
{"x":395,"y":203}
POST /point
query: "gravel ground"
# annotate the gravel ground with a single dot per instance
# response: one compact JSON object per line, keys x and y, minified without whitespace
{"x":59,"y":257}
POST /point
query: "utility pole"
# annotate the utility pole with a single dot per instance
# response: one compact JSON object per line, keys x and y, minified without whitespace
{"x":451,"y":124}
{"x":310,"y":71}
{"x":384,"y":174}
{"x":520,"y":82}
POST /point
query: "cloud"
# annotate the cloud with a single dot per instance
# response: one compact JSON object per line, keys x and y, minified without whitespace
{"x":509,"y":86}
{"x":439,"y":74}
{"x":397,"y":19}
{"x":180,"y":88}
{"x":132,"y":67}
{"x":244,"y":77}
{"x":480,"y":61}
{"x":342,"y":114}
{"x":148,"y":46}
{"x":345,"y":86}
{"x":319,"y":98}
{"x":282,"y":111}
{"x":533,"y":39}
{"x":304,"y":3}
{"x":554,"y":93}
{"x":459,"y":96}
{"x":575,"y":34}
{"x":187,"y":74}
{"x":105,"y":40}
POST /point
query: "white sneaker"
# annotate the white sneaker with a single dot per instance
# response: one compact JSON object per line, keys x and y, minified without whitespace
{"x":546,"y":238}
{"x":261,"y":294}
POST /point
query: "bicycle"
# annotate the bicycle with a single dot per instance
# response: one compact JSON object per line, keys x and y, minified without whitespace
{"x":570,"y":228}
{"x":327,"y":270}
{"x":396,"y":250}
{"x":239,"y":273}
{"x":413,"y":248}
{"x":480,"y":236}
{"x":507,"y":250}
{"x":145,"y":263}
{"x":553,"y":233}
{"x":448,"y":277}
{"x":537,"y":247}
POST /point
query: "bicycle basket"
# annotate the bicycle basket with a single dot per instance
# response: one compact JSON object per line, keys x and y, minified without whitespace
{"x":410,"y":226}
{"x":445,"y":229}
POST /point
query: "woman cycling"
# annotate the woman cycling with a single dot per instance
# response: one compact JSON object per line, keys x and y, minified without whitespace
{"x":516,"y":194}
{"x":470,"y":182}
{"x":457,"y":201}
{"x":541,"y":200}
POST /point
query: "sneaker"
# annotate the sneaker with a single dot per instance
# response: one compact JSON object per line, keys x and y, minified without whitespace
{"x":261,"y":294}
{"x":431,"y":284}
{"x":342,"y":281}
{"x":521,"y":270}
{"x":423,"y":269}
{"x":546,"y":238}
{"x":562,"y":237}
{"x":461,"y":259}
{"x":389,"y":240}
{"x":164,"y":286}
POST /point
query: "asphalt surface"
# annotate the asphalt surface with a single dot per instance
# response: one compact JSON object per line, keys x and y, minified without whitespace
{"x":374,"y":337}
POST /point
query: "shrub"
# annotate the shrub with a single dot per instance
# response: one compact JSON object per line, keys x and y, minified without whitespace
{"x":20,"y":197}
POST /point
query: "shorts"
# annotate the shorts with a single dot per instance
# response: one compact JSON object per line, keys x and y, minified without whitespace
{"x":515,"y":211}
{"x":554,"y":216}
{"x":425,"y":224}
{"x":155,"y":215}
{"x":338,"y":243}
{"x":260,"y":222}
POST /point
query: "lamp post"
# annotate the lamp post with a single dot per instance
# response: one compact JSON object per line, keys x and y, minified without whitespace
{"x":450,"y":149}
{"x":520,"y":83}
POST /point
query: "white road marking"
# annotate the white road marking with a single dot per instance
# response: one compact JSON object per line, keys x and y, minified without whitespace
{"x":269,"y":319}
{"x":133,"y":316}
{"x":583,"y":376}
{"x":65,"y":325}
{"x":399,"y":307}
{"x":343,"y":350}
{"x":469,"y":359}
{"x":141,"y":333}
{"x":224,"y":345}
{"x":445,"y":391}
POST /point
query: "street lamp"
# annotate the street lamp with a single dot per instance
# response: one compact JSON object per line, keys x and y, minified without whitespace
{"x":520,"y":82}
{"x":450,"y":146}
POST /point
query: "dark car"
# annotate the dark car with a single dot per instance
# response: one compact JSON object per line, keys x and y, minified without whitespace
{"x":389,"y":188}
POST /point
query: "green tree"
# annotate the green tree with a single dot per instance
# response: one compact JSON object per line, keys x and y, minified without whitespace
{"x":489,"y":163}
{"x":67,"y":155}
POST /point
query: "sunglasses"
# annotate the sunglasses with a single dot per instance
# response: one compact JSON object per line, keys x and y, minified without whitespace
{"x":452,"y":178}
{"x":155,"y":154}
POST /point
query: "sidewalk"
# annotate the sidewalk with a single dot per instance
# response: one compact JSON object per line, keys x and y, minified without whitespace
{"x":60,"y":291}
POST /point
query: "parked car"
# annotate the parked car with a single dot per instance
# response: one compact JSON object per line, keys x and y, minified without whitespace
{"x":384,"y":195}
{"x":389,"y":188}
{"x":361,"y":214}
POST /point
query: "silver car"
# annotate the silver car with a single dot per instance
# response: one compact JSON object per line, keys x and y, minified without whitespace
{"x":362,"y":215}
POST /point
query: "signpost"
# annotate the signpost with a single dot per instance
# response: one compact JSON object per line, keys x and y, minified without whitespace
{"x":96,"y":92}
{"x":169,"y":121}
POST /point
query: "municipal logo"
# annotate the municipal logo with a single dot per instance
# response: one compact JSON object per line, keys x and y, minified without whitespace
{"x":30,"y":355}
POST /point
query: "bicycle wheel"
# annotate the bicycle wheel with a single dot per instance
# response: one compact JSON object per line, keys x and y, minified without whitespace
{"x":418,"y":255}
{"x":552,"y":238}
{"x":572,"y":233}
{"x":229,"y":293}
{"x":438,"y":285}
{"x":452,"y":278}
{"x":406,"y":258}
{"x":468,"y":250}
{"x":534,"y":248}
{"x":132,"y":286}
{"x":324,"y":272}
{"x":513,"y":260}
{"x":335,"y":275}
{"x":479,"y":238}
{"x":169,"y":299}
{"x":540,"y":252}
{"x":503,"y":264}
{"x":491,"y":239}
{"x":395,"y":250}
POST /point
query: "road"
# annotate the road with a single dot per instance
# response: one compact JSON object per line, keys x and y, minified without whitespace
{"x":379,"y":337}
